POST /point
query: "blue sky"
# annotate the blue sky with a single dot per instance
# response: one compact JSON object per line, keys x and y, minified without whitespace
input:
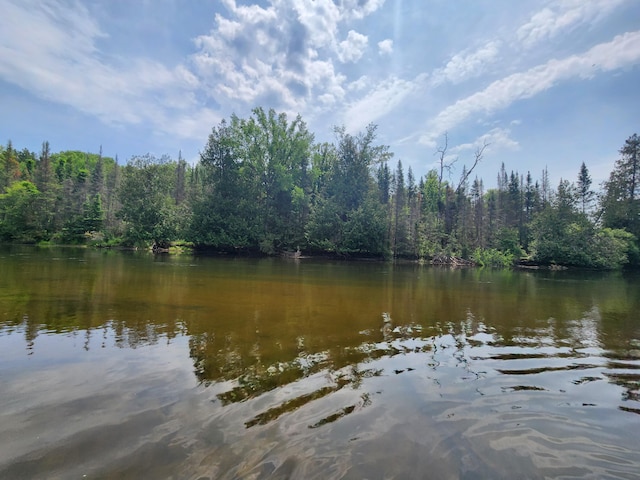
{"x":544,"y":83}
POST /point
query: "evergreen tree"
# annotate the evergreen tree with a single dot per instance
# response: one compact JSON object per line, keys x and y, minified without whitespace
{"x":621,"y":199}
{"x":399,"y":238}
{"x":148,"y":208}
{"x":384,"y":183}
{"x":585,"y":194}
{"x":97,"y":176}
{"x":10,"y":171}
{"x":18,"y":221}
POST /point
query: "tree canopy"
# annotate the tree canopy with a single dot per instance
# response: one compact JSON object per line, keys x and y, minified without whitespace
{"x":262,"y":185}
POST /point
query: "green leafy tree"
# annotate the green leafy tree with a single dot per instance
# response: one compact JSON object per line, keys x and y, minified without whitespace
{"x":257,"y":185}
{"x":621,"y":198}
{"x":88,"y":222}
{"x":563,"y":234}
{"x":365,"y":231}
{"x":148,"y":208}
{"x":97,"y":176}
{"x":281,"y":151}
{"x":432,"y":238}
{"x":400,"y":241}
{"x":337,"y":211}
{"x":10,"y":171}
{"x":226,"y":214}
{"x":18,"y":207}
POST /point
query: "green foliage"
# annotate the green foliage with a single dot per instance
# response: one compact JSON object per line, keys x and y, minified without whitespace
{"x":324,"y":230}
{"x":365,"y":229}
{"x":620,"y":203}
{"x":491,"y":257}
{"x":148,"y":208}
{"x":579,"y":243}
{"x":18,"y":207}
{"x":256,"y":186}
{"x":89,"y":221}
{"x":507,"y":241}
{"x":612,"y":248}
{"x":262,"y":185}
{"x":561,"y":240}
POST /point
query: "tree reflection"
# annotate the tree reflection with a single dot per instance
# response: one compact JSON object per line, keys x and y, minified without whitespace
{"x":254,"y":327}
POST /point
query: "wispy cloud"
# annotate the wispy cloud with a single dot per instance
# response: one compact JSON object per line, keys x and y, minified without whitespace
{"x":622,"y":51}
{"x":58,"y":59}
{"x":559,"y":17}
{"x":496,"y":139}
{"x":381,"y":100}
{"x":281,"y":55}
{"x":465,"y":65}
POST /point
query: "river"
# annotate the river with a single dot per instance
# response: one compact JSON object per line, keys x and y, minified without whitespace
{"x":127,"y":365}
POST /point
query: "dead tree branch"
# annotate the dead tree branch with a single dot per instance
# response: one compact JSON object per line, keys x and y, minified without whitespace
{"x":477,"y":158}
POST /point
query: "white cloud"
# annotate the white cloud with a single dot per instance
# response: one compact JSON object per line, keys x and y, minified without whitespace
{"x":358,"y":9}
{"x":496,"y":139}
{"x":195,"y":124}
{"x":352,"y":49}
{"x":381,"y":100}
{"x":281,"y":54}
{"x":359,"y":84}
{"x":320,"y":18}
{"x":385,"y":47}
{"x":57,"y":58}
{"x":227,"y":28}
{"x":622,"y":51}
{"x":463,"y":66}
{"x":252,"y":14}
{"x":561,"y":16}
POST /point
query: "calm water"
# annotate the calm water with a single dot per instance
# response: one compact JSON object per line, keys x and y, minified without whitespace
{"x":124,"y":365}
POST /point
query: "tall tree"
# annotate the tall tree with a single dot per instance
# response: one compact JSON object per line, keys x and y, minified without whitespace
{"x":148,"y":208}
{"x":399,"y":243}
{"x":10,"y":171}
{"x":96,"y":186}
{"x":338,"y":220}
{"x":621,"y":199}
{"x":384,"y":183}
{"x":281,"y":151}
{"x":181,"y":169}
{"x":477,"y":202}
{"x":585,"y":194}
{"x":225,"y":217}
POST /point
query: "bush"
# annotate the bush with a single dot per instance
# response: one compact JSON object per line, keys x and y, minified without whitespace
{"x":612,"y":248}
{"x":491,"y":257}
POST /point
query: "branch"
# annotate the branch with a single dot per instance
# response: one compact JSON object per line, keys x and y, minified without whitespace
{"x":443,"y":151}
{"x":478,"y":157}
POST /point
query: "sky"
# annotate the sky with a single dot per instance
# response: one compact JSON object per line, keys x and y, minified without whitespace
{"x":544,"y":84}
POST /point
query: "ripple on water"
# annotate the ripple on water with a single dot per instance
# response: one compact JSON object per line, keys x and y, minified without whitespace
{"x":446,"y":401}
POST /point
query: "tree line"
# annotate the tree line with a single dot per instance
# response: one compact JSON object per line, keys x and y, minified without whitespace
{"x":263,"y":185}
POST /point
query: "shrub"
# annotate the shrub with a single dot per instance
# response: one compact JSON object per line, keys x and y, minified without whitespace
{"x":491,"y":257}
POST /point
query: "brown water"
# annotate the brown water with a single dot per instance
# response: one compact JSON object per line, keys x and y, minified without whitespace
{"x":123,"y":365}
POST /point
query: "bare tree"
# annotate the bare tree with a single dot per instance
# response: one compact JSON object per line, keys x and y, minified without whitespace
{"x":442,"y":152}
{"x":479,"y":153}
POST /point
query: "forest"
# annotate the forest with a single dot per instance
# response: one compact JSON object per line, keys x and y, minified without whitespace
{"x":263,"y":186}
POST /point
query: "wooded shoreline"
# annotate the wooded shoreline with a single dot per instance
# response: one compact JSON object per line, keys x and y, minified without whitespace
{"x":262,"y":186}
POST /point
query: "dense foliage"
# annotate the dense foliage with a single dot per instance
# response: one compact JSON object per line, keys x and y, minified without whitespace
{"x":262,"y":185}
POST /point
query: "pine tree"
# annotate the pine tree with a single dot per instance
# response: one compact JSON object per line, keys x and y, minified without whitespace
{"x":621,"y":200}
{"x":585,"y":194}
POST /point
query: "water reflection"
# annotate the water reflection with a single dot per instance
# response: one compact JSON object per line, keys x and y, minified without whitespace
{"x":315,"y":369}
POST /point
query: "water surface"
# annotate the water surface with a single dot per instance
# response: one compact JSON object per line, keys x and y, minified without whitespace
{"x":129,"y":365}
